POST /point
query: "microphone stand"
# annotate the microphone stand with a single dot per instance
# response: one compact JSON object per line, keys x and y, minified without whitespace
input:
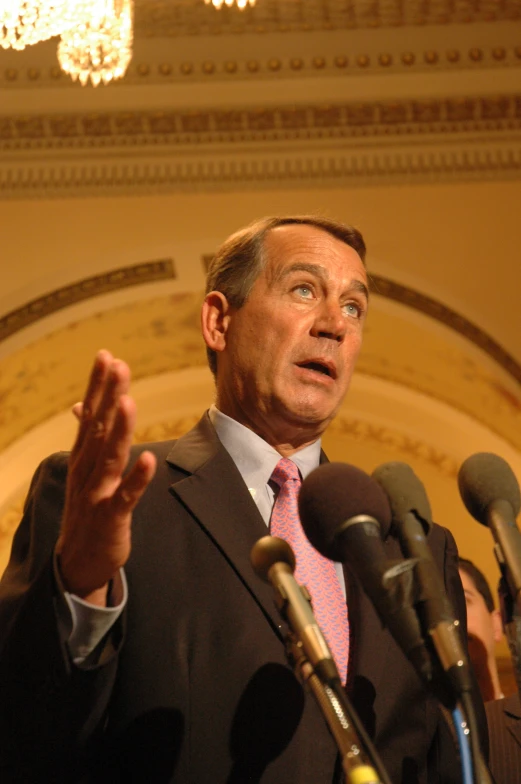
{"x":307,"y":650}
{"x":338,"y":714}
{"x":452,"y":685}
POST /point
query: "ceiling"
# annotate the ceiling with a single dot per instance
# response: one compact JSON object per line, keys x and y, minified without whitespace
{"x":314,"y":93}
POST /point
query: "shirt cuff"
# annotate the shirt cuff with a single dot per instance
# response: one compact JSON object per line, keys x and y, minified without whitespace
{"x":84,"y":625}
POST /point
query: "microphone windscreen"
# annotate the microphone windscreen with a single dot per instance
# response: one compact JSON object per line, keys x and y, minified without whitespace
{"x":268,"y":551}
{"x":334,"y":493}
{"x":404,"y":490}
{"x":484,"y":478}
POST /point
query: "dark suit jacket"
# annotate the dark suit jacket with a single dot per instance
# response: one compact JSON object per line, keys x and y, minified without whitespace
{"x":192,"y":684}
{"x":504,"y":729}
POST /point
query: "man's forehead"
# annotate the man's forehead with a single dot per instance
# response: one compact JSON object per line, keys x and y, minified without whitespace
{"x":306,"y":233}
{"x":302,"y":246}
{"x":469,"y":586}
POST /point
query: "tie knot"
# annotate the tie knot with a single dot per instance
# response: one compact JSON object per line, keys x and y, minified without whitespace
{"x":284,"y":470}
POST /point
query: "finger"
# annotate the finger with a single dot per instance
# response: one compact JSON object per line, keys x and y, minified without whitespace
{"x":98,"y":429}
{"x":134,"y":484}
{"x":118,"y":383}
{"x":112,"y":456}
{"x":97,"y":379}
{"x":77,"y":410}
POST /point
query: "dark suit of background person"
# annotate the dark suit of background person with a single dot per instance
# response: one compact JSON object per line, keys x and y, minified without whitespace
{"x":191,"y":684}
{"x":484,"y":630}
{"x":504,"y":729}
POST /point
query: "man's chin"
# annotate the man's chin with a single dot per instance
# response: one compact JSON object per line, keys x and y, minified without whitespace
{"x":310,"y":413}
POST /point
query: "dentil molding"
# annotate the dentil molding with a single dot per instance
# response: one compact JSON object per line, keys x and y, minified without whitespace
{"x":348,"y":143}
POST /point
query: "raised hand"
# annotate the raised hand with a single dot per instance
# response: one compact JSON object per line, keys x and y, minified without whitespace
{"x":95,"y":535}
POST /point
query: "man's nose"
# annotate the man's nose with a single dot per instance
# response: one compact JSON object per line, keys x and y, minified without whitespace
{"x":330,"y":322}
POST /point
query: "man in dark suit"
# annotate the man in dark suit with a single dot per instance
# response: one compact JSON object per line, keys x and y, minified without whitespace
{"x":504,"y":728}
{"x":137,"y":644}
{"x":484,"y":629}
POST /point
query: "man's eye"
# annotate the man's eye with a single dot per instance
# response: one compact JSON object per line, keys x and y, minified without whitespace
{"x":353,"y":310}
{"x":304,"y":291}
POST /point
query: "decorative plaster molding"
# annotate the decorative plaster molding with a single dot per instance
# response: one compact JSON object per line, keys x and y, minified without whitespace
{"x":449,"y":318}
{"x":342,"y":61}
{"x":163,"y":270}
{"x":395,"y":442}
{"x":358,"y":143}
{"x":164,"y":431}
{"x":355,"y":121}
{"x":251,"y":168}
{"x":114,"y":280}
{"x":154,"y":18}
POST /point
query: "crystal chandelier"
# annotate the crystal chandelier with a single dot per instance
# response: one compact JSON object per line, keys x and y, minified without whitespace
{"x":99,"y":48}
{"x":240,"y":3}
{"x":26,"y":22}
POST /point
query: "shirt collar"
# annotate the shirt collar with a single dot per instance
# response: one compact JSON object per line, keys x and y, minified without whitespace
{"x":253,"y":456}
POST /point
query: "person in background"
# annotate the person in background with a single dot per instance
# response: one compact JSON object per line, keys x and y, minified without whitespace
{"x":484,"y":629}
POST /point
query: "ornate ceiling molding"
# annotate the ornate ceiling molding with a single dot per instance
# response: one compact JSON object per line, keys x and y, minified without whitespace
{"x":309,"y":61}
{"x":115,"y":280}
{"x":234,"y":172}
{"x":480,"y":115}
{"x":394,"y":441}
{"x":186,"y":16}
{"x":359,"y":143}
{"x":152,"y":271}
{"x":449,"y":318}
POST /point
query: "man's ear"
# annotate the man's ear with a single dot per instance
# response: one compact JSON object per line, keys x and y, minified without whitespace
{"x":497,"y":625}
{"x":215,"y":318}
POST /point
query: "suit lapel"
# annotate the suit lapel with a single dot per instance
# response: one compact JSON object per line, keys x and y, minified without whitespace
{"x":214,"y":492}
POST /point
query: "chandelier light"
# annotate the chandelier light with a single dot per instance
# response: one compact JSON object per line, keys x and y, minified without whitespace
{"x":100,"y":47}
{"x":240,"y":3}
{"x":26,"y":22}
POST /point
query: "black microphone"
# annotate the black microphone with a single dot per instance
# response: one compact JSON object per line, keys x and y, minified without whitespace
{"x":412,"y":519}
{"x":273,"y":560}
{"x":490,"y":492}
{"x":343,"y":513}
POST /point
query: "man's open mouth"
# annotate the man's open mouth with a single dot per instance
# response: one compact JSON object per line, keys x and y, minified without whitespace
{"x":317,"y":366}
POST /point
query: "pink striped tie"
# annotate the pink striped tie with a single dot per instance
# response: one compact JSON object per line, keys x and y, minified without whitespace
{"x":317,"y":573}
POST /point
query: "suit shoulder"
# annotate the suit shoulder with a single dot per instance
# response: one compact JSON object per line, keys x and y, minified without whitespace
{"x":160,"y":449}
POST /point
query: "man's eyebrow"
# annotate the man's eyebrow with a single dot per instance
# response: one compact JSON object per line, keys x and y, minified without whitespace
{"x":321,"y":272}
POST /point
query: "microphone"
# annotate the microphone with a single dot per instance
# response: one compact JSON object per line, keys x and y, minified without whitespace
{"x":274,"y":562}
{"x":341,"y":508}
{"x":490,"y":492}
{"x":343,"y":513}
{"x":412,"y":520}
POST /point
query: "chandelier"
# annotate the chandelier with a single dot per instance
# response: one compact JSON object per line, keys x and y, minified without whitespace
{"x":100,"y":47}
{"x":240,"y":3}
{"x":26,"y":22}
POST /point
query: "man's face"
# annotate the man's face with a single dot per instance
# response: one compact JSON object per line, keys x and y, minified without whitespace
{"x":291,"y":349}
{"x":483,"y":627}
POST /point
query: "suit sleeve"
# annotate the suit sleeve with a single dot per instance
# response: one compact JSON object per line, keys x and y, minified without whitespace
{"x":51,"y":712}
